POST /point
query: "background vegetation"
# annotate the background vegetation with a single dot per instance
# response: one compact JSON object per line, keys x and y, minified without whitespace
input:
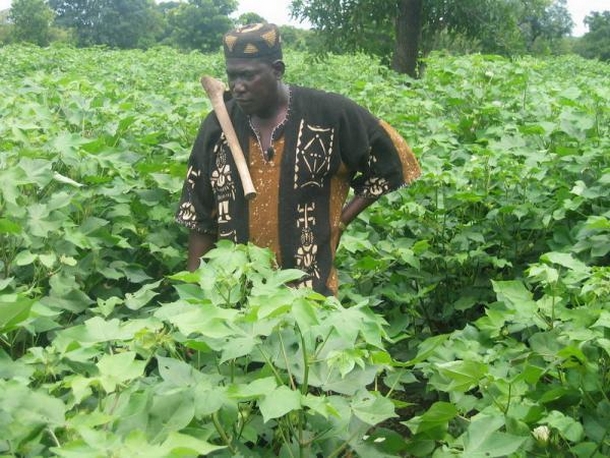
{"x":399,"y":32}
{"x":473,"y":314}
{"x":474,"y":310}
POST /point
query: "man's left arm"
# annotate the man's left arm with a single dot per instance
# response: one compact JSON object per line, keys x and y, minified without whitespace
{"x":353,"y":208}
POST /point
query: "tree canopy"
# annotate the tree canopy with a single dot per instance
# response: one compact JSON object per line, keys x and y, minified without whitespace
{"x":196,"y":24}
{"x":115,"y":23}
{"x":595,"y":44}
{"x":200,"y":24}
{"x":31,"y":21}
{"x":402,"y":31}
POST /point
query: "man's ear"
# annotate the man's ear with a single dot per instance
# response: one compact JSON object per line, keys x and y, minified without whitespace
{"x":279,"y":67}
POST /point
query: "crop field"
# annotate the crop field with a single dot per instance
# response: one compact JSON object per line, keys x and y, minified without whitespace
{"x":473,"y":317}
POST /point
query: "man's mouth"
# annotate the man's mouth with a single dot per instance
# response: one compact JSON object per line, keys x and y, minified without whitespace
{"x":244,"y":103}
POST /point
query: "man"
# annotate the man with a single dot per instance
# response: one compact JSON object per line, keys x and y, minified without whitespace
{"x":304,"y":148}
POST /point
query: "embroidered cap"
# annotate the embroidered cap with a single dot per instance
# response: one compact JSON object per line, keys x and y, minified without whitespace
{"x":255,"y":41}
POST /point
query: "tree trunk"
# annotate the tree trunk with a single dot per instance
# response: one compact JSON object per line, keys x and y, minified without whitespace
{"x":408,"y":33}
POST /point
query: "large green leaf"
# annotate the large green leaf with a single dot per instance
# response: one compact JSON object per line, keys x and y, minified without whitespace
{"x":205,"y":319}
{"x":567,"y":426}
{"x":10,"y":369}
{"x":484,"y":440}
{"x":8,"y":226}
{"x":170,"y":413}
{"x":516,"y":296}
{"x":434,"y":422}
{"x":459,"y":376}
{"x":14,"y":309}
{"x":238,"y":346}
{"x":119,"y":368}
{"x":372,"y":408}
{"x":27,"y":411}
{"x":182,"y":375}
{"x":279,"y":402}
{"x":185,"y":445}
{"x":253,"y":390}
{"x":141,"y":297}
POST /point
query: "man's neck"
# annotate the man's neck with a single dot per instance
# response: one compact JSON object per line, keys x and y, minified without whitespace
{"x":275,"y":110}
{"x":264,"y":126}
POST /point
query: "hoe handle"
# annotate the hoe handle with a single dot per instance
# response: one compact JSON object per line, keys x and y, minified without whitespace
{"x":215,"y":89}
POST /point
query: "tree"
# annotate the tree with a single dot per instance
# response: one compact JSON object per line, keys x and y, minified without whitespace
{"x":6,"y":28}
{"x":115,"y":23}
{"x":200,"y":24}
{"x":405,"y":30}
{"x":544,"y":21}
{"x":164,"y":11}
{"x":407,"y":44}
{"x":351,"y":26}
{"x":297,"y":38}
{"x":250,"y":18}
{"x":595,"y":44}
{"x":505,"y":27}
{"x":31,"y":21}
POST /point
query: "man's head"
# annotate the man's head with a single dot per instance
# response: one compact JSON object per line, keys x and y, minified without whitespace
{"x":253,"y":56}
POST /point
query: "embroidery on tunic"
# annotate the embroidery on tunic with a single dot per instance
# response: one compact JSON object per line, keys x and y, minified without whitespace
{"x":375,"y":186}
{"x":306,"y":254}
{"x":313,"y":153}
{"x":224,"y":187}
{"x":187,"y":211}
{"x":192,"y":176}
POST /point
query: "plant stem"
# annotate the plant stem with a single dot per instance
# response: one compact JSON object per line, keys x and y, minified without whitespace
{"x":304,"y":385}
{"x":389,"y":393}
{"x":54,"y":437}
{"x":343,"y":446}
{"x":319,"y":349}
{"x":277,"y":375}
{"x":600,"y":444}
{"x":285,"y":439}
{"x":292,"y":384}
{"x":222,"y":433}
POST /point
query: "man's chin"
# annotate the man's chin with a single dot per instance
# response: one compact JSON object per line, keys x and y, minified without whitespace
{"x":246,"y":106}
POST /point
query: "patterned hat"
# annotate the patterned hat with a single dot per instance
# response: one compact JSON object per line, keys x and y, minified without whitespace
{"x":255,"y":41}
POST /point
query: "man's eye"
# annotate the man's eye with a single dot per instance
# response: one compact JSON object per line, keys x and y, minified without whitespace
{"x":243,"y":76}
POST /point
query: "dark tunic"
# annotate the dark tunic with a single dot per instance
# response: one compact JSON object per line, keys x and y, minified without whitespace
{"x":326,"y":144}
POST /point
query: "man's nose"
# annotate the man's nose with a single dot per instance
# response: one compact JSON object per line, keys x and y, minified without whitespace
{"x":238,"y":85}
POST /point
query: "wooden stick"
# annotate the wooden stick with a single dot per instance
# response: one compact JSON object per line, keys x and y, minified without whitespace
{"x":215,"y":89}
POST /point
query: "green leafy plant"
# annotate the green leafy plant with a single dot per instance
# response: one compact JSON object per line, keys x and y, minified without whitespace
{"x":239,"y":363}
{"x":472,"y":317}
{"x":533,"y":370}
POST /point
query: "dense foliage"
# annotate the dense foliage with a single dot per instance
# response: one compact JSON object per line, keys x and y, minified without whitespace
{"x":200,"y":24}
{"x":474,"y":313}
{"x":128,"y":24}
{"x":401,"y":31}
{"x":115,"y":23}
{"x":595,"y":44}
{"x":32,"y":21}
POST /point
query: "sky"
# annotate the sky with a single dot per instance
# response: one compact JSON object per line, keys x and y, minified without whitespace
{"x":276,"y":11}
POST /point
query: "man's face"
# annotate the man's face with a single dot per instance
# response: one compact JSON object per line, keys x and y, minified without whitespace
{"x":253,"y":83}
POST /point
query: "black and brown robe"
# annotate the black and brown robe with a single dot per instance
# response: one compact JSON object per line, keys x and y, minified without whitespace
{"x":326,"y":144}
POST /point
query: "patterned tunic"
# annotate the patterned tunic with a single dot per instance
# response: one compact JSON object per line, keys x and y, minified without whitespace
{"x":326,"y":145}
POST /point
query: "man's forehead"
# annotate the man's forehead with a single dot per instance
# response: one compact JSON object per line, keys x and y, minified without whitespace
{"x":246,"y":63}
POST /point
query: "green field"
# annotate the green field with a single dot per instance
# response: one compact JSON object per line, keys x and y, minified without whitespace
{"x":473,"y":318}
